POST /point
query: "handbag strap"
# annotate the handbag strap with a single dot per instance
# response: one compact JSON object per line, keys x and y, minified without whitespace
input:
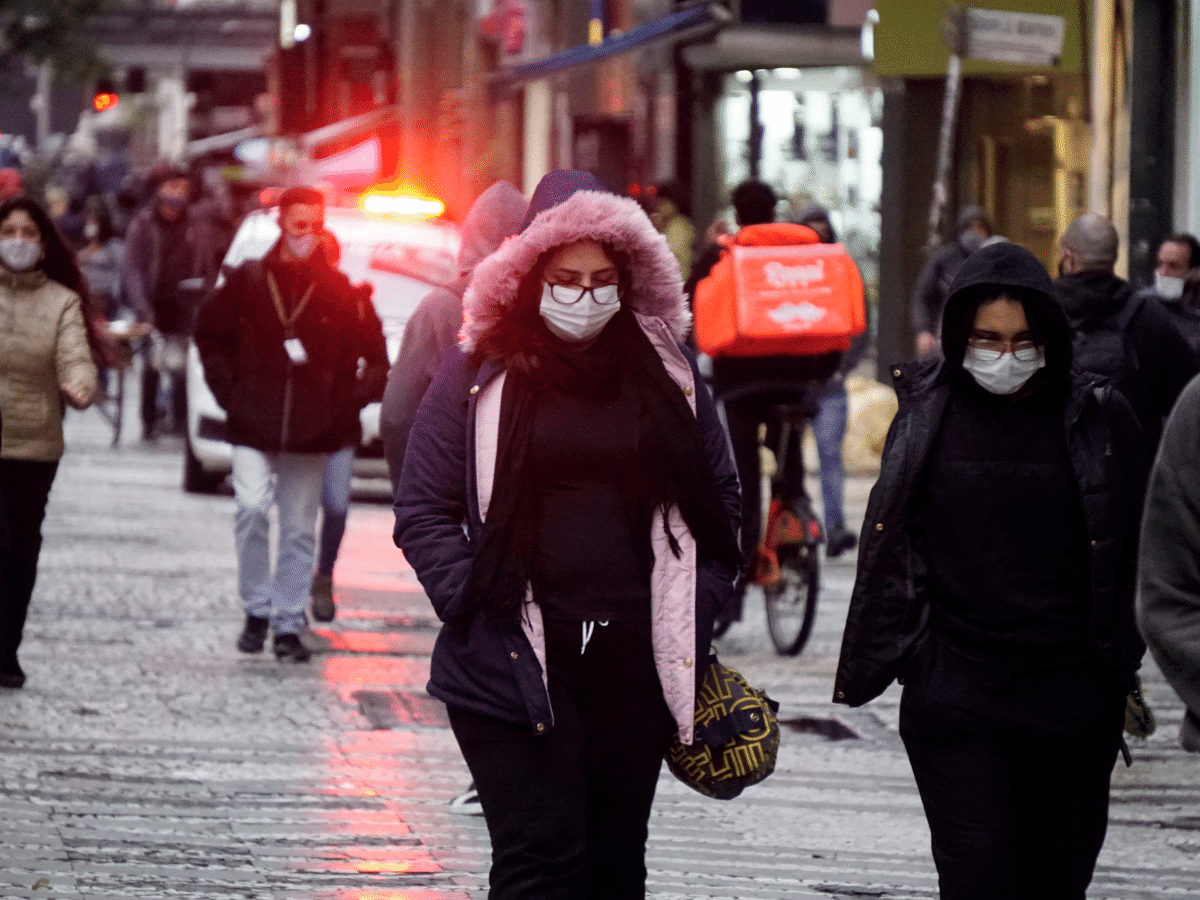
{"x":725,"y":729}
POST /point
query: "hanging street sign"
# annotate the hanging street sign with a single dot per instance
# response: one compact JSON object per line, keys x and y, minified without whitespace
{"x":1031,"y":39}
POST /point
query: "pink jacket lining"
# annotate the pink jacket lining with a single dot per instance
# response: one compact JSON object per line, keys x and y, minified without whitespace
{"x":672,"y":581}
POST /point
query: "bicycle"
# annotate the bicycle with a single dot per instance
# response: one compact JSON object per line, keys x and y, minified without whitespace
{"x":122,"y":338}
{"x":787,"y":562}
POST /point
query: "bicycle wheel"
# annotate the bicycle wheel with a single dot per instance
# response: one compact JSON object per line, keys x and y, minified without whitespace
{"x":792,"y":601}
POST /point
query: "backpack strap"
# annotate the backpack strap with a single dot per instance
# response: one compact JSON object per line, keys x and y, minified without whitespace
{"x":1129,"y":312}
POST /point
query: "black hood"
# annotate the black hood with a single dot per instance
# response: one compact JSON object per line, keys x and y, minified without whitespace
{"x":1006,"y":268}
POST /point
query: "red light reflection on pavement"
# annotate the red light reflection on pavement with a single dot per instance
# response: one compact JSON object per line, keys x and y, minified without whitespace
{"x":399,"y":895}
{"x":388,"y":643}
{"x":381,"y":670}
{"x":378,"y":647}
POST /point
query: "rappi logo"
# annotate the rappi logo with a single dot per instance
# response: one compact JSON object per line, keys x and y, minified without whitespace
{"x":780,"y":276}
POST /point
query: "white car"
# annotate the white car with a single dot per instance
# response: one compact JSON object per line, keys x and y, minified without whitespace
{"x":403,"y":258}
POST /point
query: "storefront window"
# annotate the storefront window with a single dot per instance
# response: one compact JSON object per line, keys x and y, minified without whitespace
{"x":821,"y":143}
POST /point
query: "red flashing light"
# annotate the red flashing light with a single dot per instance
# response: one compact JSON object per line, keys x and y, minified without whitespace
{"x":105,"y":100}
{"x":398,"y":204}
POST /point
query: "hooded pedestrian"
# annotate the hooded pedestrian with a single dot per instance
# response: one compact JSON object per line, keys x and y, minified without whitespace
{"x":432,"y":330}
{"x":574,"y":439}
{"x":996,"y":581}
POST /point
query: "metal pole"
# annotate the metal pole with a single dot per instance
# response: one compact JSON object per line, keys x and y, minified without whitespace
{"x":756,"y":129}
{"x":941,"y":175}
{"x":408,"y":106}
{"x":45,"y":85}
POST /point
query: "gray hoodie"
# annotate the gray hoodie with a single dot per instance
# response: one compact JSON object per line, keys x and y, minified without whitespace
{"x":433,"y":328}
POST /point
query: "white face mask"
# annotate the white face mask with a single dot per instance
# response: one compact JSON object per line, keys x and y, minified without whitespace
{"x":303,"y":246}
{"x":1168,"y":287}
{"x":19,"y":254}
{"x":585,"y":317}
{"x":1005,"y":375}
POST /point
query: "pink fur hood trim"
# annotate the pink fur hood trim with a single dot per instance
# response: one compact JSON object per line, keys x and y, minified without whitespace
{"x":656,"y":288}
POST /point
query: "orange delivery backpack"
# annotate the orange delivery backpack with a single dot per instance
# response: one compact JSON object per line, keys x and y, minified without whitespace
{"x":778,"y":291}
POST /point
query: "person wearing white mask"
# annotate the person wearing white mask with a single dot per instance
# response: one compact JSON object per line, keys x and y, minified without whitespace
{"x":280,"y":342}
{"x":569,"y":504}
{"x":45,"y":366}
{"x":1177,"y":284}
{"x":997,"y":571}
{"x":165,"y":244}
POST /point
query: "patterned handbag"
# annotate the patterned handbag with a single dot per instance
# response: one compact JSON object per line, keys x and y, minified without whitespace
{"x":736,"y":737}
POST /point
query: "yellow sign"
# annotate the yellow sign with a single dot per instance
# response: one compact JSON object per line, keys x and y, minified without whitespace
{"x":910,"y":40}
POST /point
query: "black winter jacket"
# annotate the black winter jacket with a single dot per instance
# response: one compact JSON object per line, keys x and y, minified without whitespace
{"x":889,"y":609}
{"x":1166,"y":362}
{"x":888,"y":612}
{"x":271,"y":403}
{"x":486,"y":667}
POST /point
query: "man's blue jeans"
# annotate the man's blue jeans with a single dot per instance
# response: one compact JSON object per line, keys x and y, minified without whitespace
{"x":829,"y":427}
{"x":292,"y":482}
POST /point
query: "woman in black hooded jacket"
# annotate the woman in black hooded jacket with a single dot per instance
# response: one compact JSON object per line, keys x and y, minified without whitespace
{"x":996,"y":582}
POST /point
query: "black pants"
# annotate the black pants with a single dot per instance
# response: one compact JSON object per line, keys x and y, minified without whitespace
{"x":150,"y":381}
{"x":743,"y":415}
{"x":568,"y":811}
{"x":25,"y":488}
{"x":1013,"y":770}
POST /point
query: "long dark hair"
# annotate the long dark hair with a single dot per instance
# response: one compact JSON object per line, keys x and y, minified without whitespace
{"x":520,"y":339}
{"x":58,"y":262}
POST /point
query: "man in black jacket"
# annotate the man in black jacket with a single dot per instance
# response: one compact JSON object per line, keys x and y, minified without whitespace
{"x":933,"y":284}
{"x":1116,"y":334}
{"x":280,"y":344}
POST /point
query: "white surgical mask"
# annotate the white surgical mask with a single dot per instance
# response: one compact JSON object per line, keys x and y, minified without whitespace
{"x":303,"y":246}
{"x":19,"y":254}
{"x":582,"y":318}
{"x":1168,"y":287}
{"x":1005,"y":375}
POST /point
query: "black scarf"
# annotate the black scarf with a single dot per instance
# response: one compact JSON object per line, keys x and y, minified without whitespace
{"x":677,"y":470}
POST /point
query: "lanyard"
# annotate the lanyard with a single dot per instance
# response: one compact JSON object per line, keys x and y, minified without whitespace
{"x":288,"y":322}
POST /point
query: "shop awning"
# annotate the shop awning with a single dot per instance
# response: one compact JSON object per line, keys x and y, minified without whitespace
{"x":777,"y":47}
{"x":678,"y":26}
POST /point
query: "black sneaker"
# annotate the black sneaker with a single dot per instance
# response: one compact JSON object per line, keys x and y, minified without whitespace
{"x":253,"y":636}
{"x":288,"y":647}
{"x":11,"y":676}
{"x":838,"y":541}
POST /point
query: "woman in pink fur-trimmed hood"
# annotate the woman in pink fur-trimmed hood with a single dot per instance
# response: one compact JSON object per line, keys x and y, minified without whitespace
{"x":573,"y":438}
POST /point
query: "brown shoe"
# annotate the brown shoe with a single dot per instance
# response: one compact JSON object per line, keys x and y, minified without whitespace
{"x":323,"y":607}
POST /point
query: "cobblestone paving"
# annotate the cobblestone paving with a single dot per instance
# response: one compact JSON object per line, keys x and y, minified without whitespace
{"x":147,"y":758}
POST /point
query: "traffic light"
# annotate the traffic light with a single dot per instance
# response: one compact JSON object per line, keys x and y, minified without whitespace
{"x":105,"y":95}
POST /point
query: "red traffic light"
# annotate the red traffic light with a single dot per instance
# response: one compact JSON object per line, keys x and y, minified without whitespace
{"x":105,"y":100}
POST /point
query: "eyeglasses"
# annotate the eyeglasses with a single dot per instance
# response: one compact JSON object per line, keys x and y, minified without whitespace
{"x":570,"y":294}
{"x":990,"y":351}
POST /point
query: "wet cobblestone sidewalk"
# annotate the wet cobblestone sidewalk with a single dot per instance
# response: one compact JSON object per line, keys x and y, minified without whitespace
{"x":147,"y":758}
